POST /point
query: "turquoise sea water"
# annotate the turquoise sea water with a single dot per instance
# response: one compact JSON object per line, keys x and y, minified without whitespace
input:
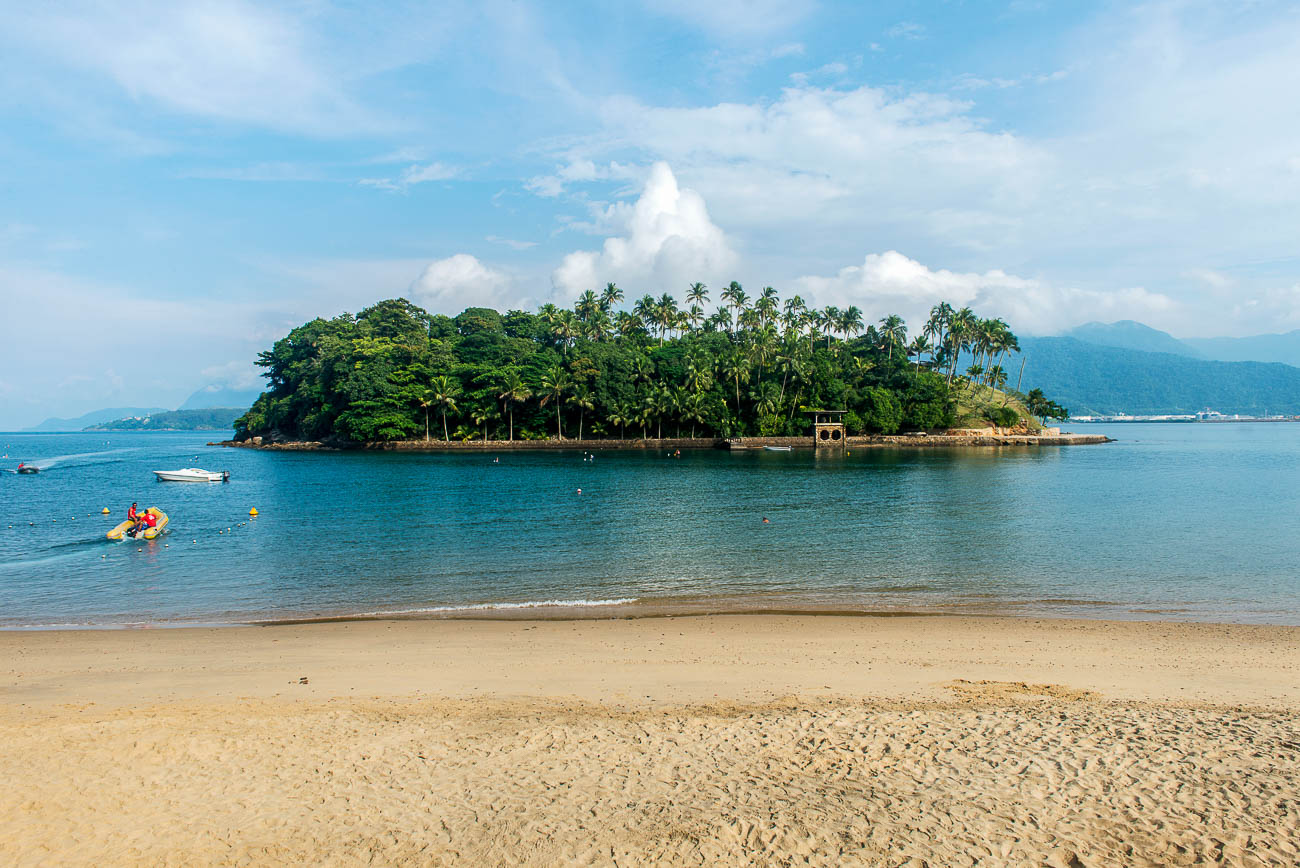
{"x":1173,"y":521}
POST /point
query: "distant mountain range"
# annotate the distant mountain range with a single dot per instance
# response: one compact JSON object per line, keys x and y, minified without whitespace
{"x":1130,"y":335}
{"x":207,"y":419}
{"x":207,"y":398}
{"x":1127,"y":367}
{"x":94,"y":417}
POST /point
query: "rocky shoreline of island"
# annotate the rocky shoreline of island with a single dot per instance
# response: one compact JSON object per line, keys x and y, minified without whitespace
{"x":947,"y":439}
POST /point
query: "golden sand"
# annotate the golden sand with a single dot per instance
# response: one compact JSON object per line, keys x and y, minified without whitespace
{"x":713,"y":740}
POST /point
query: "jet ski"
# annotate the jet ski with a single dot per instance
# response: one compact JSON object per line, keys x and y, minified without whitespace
{"x":28,"y":468}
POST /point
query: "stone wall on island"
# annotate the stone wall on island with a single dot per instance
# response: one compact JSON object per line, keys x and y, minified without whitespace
{"x":964,"y":438}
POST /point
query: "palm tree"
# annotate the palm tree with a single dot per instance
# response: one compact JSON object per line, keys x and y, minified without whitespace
{"x":581,"y":399}
{"x":643,"y":367}
{"x":666,"y":313}
{"x":734,"y":294}
{"x":894,"y":332}
{"x":794,"y":311}
{"x":695,"y":316}
{"x":598,"y":325}
{"x":513,"y":390}
{"x":693,"y":410}
{"x":830,"y":320}
{"x":734,"y":367}
{"x":426,"y":401}
{"x":697,"y":294}
{"x":620,"y":415}
{"x":699,"y":372}
{"x":564,"y":328}
{"x":555,"y":383}
{"x":767,"y":304}
{"x":482,"y":416}
{"x":851,"y":321}
{"x":644,"y":416}
{"x":609,"y":297}
{"x":627,"y":324}
{"x":644,"y":310}
{"x":765,"y":399}
{"x":960,"y":328}
{"x":660,"y":402}
{"x":919,"y":346}
{"x":799,"y":375}
{"x":445,"y":391}
{"x":587,"y":304}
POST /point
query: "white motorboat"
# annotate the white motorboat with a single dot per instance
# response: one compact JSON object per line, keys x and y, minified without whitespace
{"x":777,"y":448}
{"x":192,"y":474}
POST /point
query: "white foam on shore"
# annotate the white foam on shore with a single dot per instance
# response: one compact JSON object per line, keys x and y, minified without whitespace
{"x":479,"y":607}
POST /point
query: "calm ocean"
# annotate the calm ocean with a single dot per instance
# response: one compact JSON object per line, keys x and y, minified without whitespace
{"x":1174,"y":521}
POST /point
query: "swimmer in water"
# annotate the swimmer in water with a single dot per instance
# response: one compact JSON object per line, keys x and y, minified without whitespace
{"x":765,"y":521}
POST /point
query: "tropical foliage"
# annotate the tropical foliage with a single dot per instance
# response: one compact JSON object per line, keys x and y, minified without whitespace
{"x":655,"y":369}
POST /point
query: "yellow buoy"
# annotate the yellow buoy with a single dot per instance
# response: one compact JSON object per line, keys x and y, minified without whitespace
{"x":104,"y":510}
{"x":253,"y":511}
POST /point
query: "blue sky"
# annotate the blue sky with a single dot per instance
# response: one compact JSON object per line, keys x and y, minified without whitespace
{"x":180,"y":183}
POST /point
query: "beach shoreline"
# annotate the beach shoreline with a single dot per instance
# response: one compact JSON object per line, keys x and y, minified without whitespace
{"x":896,"y":656}
{"x":681,"y":740}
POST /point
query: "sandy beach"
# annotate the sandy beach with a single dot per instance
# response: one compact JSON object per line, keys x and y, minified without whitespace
{"x":689,"y":740}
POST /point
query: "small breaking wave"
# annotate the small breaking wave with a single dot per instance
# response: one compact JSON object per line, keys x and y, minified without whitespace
{"x":481,"y":607}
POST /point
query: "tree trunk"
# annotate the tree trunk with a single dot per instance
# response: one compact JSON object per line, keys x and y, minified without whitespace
{"x":445,"y":436}
{"x":559,"y":432}
{"x":426,"y":424}
{"x":512,"y":423}
{"x":579,"y":423}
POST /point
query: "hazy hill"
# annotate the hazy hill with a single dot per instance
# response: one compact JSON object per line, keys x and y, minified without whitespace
{"x":220,"y":396}
{"x":1129,"y":335}
{"x":208,"y":419}
{"x":94,"y":417}
{"x":1283,"y":348}
{"x":1093,"y":379}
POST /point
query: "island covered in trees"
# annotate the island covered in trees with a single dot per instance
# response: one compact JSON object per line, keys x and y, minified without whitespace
{"x":748,"y":368}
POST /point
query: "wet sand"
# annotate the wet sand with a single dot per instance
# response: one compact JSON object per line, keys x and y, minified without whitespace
{"x":692,"y":740}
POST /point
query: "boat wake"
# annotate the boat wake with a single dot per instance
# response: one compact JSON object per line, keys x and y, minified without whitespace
{"x":78,"y":459}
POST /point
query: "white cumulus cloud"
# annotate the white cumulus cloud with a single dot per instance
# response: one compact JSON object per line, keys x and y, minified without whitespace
{"x":667,"y":240}
{"x":450,"y":285}
{"x":890,"y":282}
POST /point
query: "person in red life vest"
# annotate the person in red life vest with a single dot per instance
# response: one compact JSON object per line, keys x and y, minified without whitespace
{"x":150,"y":520}
{"x":131,"y":514}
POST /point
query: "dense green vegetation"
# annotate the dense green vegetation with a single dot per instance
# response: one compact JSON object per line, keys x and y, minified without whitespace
{"x":211,"y":419}
{"x":394,"y":371}
{"x":1093,"y":379}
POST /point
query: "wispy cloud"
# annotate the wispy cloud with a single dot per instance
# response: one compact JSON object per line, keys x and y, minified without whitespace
{"x":510,"y":242}
{"x":907,"y":30}
{"x":413,"y":175}
{"x":233,"y":62}
{"x":736,"y":19}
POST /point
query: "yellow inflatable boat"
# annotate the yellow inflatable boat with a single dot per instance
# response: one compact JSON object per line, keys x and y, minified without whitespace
{"x":122,"y":530}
